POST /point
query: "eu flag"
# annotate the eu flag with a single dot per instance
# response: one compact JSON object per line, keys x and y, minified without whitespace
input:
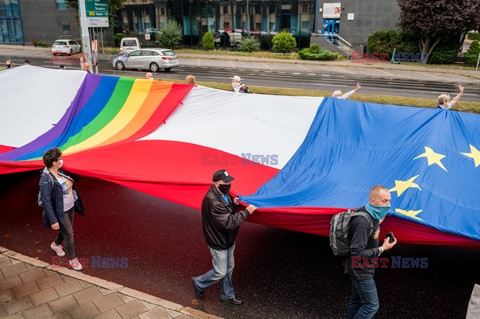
{"x":429,"y":159}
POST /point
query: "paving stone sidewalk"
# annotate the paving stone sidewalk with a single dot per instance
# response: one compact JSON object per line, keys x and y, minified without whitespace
{"x":30,"y":288}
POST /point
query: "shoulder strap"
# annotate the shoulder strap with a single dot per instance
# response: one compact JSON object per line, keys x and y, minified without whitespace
{"x":53,"y":182}
{"x":365,"y":214}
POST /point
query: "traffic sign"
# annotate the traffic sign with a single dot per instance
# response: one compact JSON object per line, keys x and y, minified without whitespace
{"x":97,"y":13}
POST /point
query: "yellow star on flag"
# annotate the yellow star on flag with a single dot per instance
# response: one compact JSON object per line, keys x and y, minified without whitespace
{"x":401,"y":186}
{"x":409,"y":213}
{"x":475,"y":154}
{"x":432,"y":157}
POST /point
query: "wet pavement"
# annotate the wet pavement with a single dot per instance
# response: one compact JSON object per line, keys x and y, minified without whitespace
{"x":278,"y":274}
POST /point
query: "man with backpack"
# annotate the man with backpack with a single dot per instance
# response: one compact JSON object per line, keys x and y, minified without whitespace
{"x":363,"y":234}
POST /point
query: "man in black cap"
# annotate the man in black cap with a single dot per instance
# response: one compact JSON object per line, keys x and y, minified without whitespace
{"x":220,"y":227}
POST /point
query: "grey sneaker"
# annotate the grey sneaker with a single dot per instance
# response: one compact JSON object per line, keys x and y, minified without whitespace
{"x":75,"y":264}
{"x":57,"y":249}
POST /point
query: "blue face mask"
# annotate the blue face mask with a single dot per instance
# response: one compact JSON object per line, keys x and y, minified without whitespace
{"x":377,"y":212}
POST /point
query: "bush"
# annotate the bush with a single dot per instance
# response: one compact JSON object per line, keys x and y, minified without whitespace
{"x":117,"y":38}
{"x":207,"y":41}
{"x":385,"y":41}
{"x":42,"y":44}
{"x":284,"y":42}
{"x":266,"y":42}
{"x":472,"y":54}
{"x":443,"y":54}
{"x":249,"y":44}
{"x":314,"y":53}
{"x":473,"y":36}
{"x":170,"y":36}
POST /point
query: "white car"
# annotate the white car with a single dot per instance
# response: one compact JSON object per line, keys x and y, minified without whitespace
{"x":65,"y":46}
{"x":147,"y":59}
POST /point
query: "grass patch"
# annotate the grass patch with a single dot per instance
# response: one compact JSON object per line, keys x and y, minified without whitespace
{"x":471,"y":107}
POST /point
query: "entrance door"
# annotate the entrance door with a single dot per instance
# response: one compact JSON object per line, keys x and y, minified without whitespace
{"x":285,"y":22}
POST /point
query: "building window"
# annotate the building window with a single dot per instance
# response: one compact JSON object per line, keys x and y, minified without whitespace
{"x":305,"y":26}
{"x":305,"y":8}
{"x":225,"y":9}
{"x":226,"y":25}
{"x":258,"y":26}
{"x":271,"y":9}
{"x":257,"y":9}
{"x":61,"y":5}
{"x":162,"y":11}
{"x":64,"y":28}
{"x":11,"y":30}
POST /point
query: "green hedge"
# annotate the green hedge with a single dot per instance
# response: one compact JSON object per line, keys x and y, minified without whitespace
{"x":472,"y":54}
{"x":385,"y":41}
{"x":314,"y":53}
{"x":473,"y":36}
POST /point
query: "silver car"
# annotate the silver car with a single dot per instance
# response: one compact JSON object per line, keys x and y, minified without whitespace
{"x":147,"y":59}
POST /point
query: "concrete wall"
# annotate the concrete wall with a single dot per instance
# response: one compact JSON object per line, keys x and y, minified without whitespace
{"x":369,"y":16}
{"x":41,"y":21}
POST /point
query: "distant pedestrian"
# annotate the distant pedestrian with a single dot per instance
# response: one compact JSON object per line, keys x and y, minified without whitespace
{"x":338,"y":93}
{"x":86,"y":67}
{"x":58,"y":197}
{"x":9,"y":64}
{"x":149,"y":76}
{"x":63,"y":67}
{"x":27,"y":62}
{"x":220,"y":228}
{"x":444,"y":100}
{"x":190,"y":79}
{"x":364,"y":251}
{"x":238,"y":86}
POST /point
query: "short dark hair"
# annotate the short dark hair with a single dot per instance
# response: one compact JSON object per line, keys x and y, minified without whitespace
{"x":50,"y":156}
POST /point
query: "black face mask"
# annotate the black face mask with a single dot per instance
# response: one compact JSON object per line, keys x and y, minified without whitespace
{"x":224,"y":188}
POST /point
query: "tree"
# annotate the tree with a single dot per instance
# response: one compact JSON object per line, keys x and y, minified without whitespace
{"x":284,"y":42}
{"x":472,"y":54}
{"x":170,"y":35}
{"x":113,"y":7}
{"x":207,"y":41}
{"x":435,"y":20}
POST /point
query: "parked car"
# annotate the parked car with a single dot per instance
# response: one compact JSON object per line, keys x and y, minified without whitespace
{"x":65,"y":46}
{"x":129,"y":44}
{"x":235,"y":39}
{"x":147,"y":59}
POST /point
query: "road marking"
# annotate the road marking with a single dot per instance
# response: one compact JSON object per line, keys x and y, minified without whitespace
{"x":325,"y":74}
{"x":384,"y":72}
{"x":343,"y":70}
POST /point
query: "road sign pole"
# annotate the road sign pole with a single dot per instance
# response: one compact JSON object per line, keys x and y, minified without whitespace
{"x":87,"y":53}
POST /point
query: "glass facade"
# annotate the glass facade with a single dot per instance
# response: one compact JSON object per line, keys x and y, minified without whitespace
{"x":10,"y":22}
{"x":260,"y":17}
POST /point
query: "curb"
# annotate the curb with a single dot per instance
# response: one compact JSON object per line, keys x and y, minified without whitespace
{"x":114,"y":287}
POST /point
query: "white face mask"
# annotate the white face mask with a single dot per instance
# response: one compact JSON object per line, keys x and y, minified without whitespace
{"x":60,"y":163}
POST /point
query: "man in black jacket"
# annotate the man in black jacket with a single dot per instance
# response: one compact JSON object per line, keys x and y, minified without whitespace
{"x":220,"y":227}
{"x":364,"y":253}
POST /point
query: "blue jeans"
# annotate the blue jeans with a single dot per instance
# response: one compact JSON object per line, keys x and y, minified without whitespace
{"x":223,"y":263}
{"x":363,"y":302}
{"x":65,"y":234}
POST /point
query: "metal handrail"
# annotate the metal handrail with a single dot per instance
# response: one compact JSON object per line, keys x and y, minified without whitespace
{"x":334,"y":35}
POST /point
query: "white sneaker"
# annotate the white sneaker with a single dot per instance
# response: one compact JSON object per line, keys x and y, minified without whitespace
{"x":75,"y":264}
{"x":58,"y":249}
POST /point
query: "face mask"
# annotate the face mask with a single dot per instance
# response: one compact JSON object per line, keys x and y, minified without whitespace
{"x":224,"y":188}
{"x":377,"y":212}
{"x":60,"y":163}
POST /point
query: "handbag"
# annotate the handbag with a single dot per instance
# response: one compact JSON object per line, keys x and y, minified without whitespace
{"x":78,"y":204}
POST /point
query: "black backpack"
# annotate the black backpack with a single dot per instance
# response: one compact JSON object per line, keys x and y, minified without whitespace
{"x":339,"y":226}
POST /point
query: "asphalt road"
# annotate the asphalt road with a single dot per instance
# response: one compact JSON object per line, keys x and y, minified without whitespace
{"x":293,"y":76}
{"x":278,"y":274}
